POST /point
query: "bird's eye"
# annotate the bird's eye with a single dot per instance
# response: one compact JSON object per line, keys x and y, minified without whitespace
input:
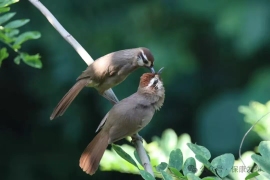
{"x":156,"y":81}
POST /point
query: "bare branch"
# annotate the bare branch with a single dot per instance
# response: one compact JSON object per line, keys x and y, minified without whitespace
{"x":137,"y":140}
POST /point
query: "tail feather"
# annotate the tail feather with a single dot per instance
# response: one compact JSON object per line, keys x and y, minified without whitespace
{"x":93,"y":153}
{"x":67,"y":99}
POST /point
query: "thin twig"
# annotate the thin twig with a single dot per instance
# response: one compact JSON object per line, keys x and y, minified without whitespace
{"x":88,"y":60}
{"x":240,"y":148}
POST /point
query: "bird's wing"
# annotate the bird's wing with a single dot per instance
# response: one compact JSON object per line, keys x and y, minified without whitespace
{"x":128,"y":117}
{"x":101,"y":68}
{"x":102,"y":122}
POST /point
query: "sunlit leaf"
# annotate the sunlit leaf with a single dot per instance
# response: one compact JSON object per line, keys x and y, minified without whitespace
{"x":146,"y":175}
{"x":262,"y":162}
{"x":3,"y":54}
{"x":16,"y":23}
{"x":265,"y":175}
{"x":26,"y":36}
{"x":17,"y":59}
{"x":161,"y":166}
{"x":264,"y":149}
{"x":191,"y":176}
{"x":4,"y":3}
{"x":124,"y":155}
{"x":12,"y":33}
{"x":4,"y":9}
{"x":176,"y":159}
{"x":223,"y":164}
{"x":200,"y":150}
{"x":168,"y":140}
{"x":166,"y":176}
{"x":176,"y":173}
{"x":31,"y":60}
{"x":4,"y":18}
{"x":5,"y":38}
{"x":189,"y":166}
{"x":252,"y":175}
{"x":211,"y":178}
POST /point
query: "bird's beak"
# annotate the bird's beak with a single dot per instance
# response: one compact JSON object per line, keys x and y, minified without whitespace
{"x":152,"y":69}
{"x":160,"y":71}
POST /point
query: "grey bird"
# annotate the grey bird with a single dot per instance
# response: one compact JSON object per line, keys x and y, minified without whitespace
{"x":105,"y":73}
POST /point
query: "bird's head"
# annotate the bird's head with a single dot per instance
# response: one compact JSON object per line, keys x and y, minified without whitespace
{"x":145,"y":59}
{"x":152,"y":81}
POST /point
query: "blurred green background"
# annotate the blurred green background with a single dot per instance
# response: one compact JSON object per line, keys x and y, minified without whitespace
{"x":216,"y":58}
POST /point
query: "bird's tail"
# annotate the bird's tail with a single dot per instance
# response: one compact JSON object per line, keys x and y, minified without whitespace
{"x":68,"y":98}
{"x":93,"y":153}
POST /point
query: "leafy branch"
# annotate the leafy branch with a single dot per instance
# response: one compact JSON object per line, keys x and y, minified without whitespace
{"x":177,"y":158}
{"x":11,"y":37}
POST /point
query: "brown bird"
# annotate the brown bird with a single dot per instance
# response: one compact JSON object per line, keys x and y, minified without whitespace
{"x":105,"y":73}
{"x":126,"y":118}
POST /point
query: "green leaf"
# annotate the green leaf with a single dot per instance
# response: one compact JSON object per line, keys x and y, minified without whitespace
{"x":5,"y":38}
{"x":4,"y":9}
{"x":17,"y":59}
{"x":203,"y":160}
{"x":26,"y":36}
{"x":6,"y":17}
{"x":262,"y":162}
{"x":146,"y":175}
{"x":223,"y":164}
{"x":264,"y":149}
{"x":31,"y":60}
{"x":200,"y":150}
{"x":3,"y":54}
{"x":265,"y":174}
{"x":4,"y":3}
{"x":168,"y":140}
{"x":176,"y":173}
{"x":211,"y":178}
{"x":189,"y":166}
{"x":12,"y":33}
{"x":16,"y":23}
{"x":162,"y":166}
{"x":166,"y":176}
{"x":124,"y":155}
{"x":206,"y":163}
{"x":252,"y":175}
{"x":191,"y":176}
{"x":176,"y":159}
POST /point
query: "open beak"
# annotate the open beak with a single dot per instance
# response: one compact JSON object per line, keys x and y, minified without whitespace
{"x":160,"y":71}
{"x":152,"y":69}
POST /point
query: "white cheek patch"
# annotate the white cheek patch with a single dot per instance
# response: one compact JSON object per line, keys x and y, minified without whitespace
{"x":140,"y":62}
{"x":159,"y":84}
{"x":148,"y":64}
{"x":144,"y":56}
{"x":151,"y":82}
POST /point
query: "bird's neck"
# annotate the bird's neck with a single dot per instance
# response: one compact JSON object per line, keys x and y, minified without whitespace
{"x":154,"y":97}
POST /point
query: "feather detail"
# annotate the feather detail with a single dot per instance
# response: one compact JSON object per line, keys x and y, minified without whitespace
{"x":93,"y":153}
{"x":68,"y":98}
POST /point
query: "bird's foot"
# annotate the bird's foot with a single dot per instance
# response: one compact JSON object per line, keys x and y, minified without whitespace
{"x":136,"y":137}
